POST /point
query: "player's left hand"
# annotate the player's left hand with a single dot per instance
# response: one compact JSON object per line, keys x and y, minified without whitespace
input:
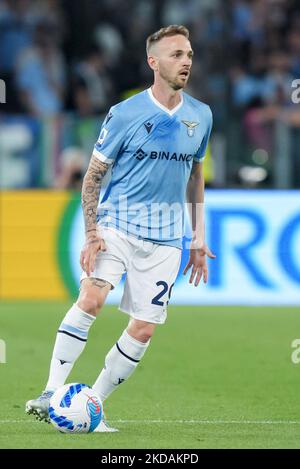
{"x":197,"y":261}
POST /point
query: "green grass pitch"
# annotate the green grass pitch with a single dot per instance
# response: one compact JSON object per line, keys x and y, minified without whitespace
{"x":213,"y":377}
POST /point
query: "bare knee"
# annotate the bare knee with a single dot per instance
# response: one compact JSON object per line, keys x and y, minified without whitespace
{"x":140,"y":330}
{"x":89,"y":304}
{"x":93,"y":293}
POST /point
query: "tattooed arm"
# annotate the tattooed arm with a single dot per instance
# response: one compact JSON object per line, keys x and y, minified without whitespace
{"x":90,"y":197}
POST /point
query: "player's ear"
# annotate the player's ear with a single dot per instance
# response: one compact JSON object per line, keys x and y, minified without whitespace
{"x":152,"y":62}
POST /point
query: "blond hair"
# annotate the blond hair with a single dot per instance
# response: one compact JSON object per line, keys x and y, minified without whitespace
{"x":171,"y":30}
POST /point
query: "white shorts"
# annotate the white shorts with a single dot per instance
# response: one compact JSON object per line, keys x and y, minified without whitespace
{"x":151,"y":272}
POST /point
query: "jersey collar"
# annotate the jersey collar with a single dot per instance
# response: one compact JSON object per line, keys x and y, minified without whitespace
{"x":161,"y":106}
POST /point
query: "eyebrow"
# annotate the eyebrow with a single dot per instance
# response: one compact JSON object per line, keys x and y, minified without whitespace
{"x":190,"y":52}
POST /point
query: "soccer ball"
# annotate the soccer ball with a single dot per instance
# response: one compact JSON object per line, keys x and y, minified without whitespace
{"x":75,"y":408}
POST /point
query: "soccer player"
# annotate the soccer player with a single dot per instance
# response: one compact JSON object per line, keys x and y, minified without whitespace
{"x":155,"y":142}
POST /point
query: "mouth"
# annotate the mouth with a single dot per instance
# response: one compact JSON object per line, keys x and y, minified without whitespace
{"x":184,"y":74}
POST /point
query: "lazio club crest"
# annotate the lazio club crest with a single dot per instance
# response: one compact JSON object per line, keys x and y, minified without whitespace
{"x":190,"y":127}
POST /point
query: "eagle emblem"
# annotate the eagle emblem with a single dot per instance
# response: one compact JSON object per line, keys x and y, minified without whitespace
{"x":190,"y":127}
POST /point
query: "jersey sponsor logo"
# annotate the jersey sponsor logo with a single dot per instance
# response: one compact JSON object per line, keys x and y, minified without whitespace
{"x":190,"y":127}
{"x":140,"y":154}
{"x":162,"y":155}
{"x":102,"y":136}
{"x":148,"y":127}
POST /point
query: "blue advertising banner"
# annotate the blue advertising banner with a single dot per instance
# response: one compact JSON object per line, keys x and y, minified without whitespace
{"x":256,"y":238}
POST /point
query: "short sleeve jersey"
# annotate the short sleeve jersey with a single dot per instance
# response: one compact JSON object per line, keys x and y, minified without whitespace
{"x":152,"y":150}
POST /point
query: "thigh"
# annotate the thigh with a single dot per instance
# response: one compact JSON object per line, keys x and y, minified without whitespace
{"x":149,"y":284}
{"x":110,"y":264}
{"x":92,"y":295}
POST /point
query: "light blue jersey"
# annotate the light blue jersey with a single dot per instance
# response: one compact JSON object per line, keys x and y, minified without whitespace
{"x":152,"y":150}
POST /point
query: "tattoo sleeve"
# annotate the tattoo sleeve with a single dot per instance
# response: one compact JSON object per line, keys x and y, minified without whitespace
{"x":91,"y":190}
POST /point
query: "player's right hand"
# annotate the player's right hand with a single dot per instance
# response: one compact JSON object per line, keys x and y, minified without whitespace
{"x":92,"y":245}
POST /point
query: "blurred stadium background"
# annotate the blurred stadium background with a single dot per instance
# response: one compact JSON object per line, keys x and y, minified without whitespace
{"x":64,"y":63}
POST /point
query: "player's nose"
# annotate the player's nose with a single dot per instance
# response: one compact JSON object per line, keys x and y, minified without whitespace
{"x":187,"y":62}
{"x":186,"y":67}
